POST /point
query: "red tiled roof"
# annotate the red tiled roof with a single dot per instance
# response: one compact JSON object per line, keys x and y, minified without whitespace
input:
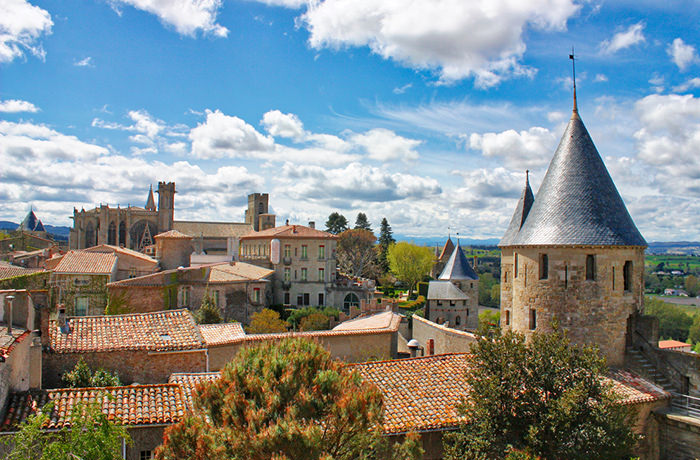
{"x":127,"y":405}
{"x":108,"y":248}
{"x":173,"y":234}
{"x":94,"y":263}
{"x":289,"y":231}
{"x":8,"y":342}
{"x":169,"y":330}
{"x":218,"y":334}
{"x":10,"y":271}
{"x":188,"y":382}
{"x":664,"y":344}
{"x":218,"y":273}
{"x":633,"y":389}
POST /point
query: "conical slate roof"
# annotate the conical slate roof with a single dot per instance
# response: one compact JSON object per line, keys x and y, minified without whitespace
{"x":457,"y":267}
{"x":29,"y":222}
{"x":150,"y":202}
{"x":448,"y":248}
{"x":520,"y":214}
{"x":577,"y":203}
{"x":39,"y":227}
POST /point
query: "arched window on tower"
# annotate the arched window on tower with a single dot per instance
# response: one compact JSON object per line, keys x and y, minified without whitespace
{"x":122,"y":234}
{"x":112,"y":234}
{"x":89,"y":235}
{"x":590,"y":267}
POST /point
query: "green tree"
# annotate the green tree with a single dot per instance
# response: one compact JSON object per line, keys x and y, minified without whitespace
{"x":208,"y":313}
{"x":266,"y":321}
{"x":694,"y":331}
{"x":692,"y":285}
{"x":487,"y":282}
{"x":315,"y":322}
{"x":544,"y":398}
{"x":91,"y":436}
{"x":336,"y":223}
{"x":410,"y":263}
{"x":386,"y":239}
{"x":81,"y":376}
{"x":362,"y":223}
{"x":489,"y":319}
{"x":285,"y":400}
{"x":355,"y":252}
{"x":298,"y":315}
{"x":674,"y":323}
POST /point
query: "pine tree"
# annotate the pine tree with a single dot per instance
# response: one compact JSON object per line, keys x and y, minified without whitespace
{"x":208,"y":313}
{"x":386,"y":239}
{"x":362,"y":222}
{"x":336,"y":223}
{"x":285,"y":400}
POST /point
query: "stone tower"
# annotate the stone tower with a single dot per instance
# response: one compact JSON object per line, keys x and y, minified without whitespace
{"x":257,"y":206}
{"x":166,"y":206}
{"x":572,"y":254}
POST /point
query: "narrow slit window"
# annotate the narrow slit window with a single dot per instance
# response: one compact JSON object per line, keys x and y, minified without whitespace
{"x":627,"y":276}
{"x":544,"y":266}
{"x":507,"y":317}
{"x":613,"y":278}
{"x":590,"y":267}
{"x":515,"y":266}
{"x":533,"y":319}
{"x":566,"y":276}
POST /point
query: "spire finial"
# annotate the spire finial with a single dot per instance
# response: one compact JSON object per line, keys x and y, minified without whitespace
{"x":572,"y":56}
{"x":527,"y":177}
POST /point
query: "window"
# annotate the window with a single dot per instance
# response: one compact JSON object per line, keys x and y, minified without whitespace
{"x":544,"y":266}
{"x":112,"y":234}
{"x":81,"y":306}
{"x":566,"y":276}
{"x":185,"y":296}
{"x":351,"y":300}
{"x":515,"y":266}
{"x":256,"y":295}
{"x":533,"y":319}
{"x":322,"y":252}
{"x":613,"y":278}
{"x":458,"y":321}
{"x":287,"y":274}
{"x":439,"y":303}
{"x":321,"y":275}
{"x":304,"y":251}
{"x":286,"y":298}
{"x":452,"y":303}
{"x":132,"y":273}
{"x":304,"y":274}
{"x":306,"y":299}
{"x":507,"y":318}
{"x":627,"y":276}
{"x":146,"y":455}
{"x":505,"y":276}
{"x":590,"y":267}
{"x":467,"y":312}
{"x":287,"y":251}
{"x":320,"y":299}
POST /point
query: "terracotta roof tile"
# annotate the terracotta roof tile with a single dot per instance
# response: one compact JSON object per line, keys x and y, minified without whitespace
{"x":664,"y":344}
{"x":10,"y":271}
{"x":212,"y":229}
{"x":217,"y":334}
{"x":169,"y":330}
{"x":94,"y":263}
{"x":223,"y":272}
{"x":237,"y":271}
{"x":290,"y":231}
{"x":633,"y":389}
{"x":127,"y":405}
{"x":189,"y":381}
{"x":173,"y":234}
{"x":108,"y":248}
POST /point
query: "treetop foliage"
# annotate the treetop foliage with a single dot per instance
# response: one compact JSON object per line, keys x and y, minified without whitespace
{"x":356,"y":253}
{"x":409,"y":262}
{"x":336,"y":223}
{"x":82,"y":377}
{"x":285,"y":400}
{"x":208,"y":313}
{"x":266,"y":321}
{"x":362,"y":223}
{"x":543,"y":399}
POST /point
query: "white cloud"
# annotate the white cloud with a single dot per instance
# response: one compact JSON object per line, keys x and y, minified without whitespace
{"x":402,"y":89}
{"x":280,"y":124}
{"x":188,"y":17}
{"x":385,"y":145}
{"x":519,"y":150}
{"x":223,"y":136}
{"x":16,"y":105}
{"x":85,"y":62}
{"x":21,"y":26}
{"x":459,"y":39}
{"x":27,"y":141}
{"x":600,"y":77}
{"x":294,"y":4}
{"x":689,"y":84}
{"x":621,"y":40}
{"x":682,"y":54}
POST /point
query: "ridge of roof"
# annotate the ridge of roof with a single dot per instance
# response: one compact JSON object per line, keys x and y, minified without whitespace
{"x":457,"y":267}
{"x":578,"y":203}
{"x":447,"y":248}
{"x":522,"y":209}
{"x":290,"y":231}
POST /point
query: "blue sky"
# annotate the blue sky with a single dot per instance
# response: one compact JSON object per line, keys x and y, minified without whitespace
{"x":426,"y":112}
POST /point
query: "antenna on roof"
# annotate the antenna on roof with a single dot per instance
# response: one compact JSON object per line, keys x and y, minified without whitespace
{"x":448,"y":232}
{"x":458,"y":243}
{"x":572,"y":56}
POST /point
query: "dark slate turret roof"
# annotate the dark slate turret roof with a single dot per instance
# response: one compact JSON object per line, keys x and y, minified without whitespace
{"x":520,"y":214}
{"x":30,"y":221}
{"x":448,"y":248}
{"x":578,"y":203}
{"x":150,"y":202}
{"x":39,"y":227}
{"x":457,"y":267}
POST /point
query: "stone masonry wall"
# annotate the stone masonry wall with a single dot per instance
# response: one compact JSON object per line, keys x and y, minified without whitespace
{"x":592,"y":312}
{"x":132,"y":366}
{"x":446,"y":340}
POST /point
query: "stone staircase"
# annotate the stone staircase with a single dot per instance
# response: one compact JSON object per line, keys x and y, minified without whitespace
{"x":648,"y":370}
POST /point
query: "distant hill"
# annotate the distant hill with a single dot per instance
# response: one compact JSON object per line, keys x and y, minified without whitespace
{"x":440,"y":241}
{"x":674,"y":247}
{"x":59,"y":233}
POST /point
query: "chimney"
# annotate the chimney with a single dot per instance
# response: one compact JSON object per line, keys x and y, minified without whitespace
{"x":413,"y":347}
{"x":286,"y":222}
{"x":10,"y":299}
{"x":312,"y":224}
{"x":63,"y":324}
{"x":431,"y":347}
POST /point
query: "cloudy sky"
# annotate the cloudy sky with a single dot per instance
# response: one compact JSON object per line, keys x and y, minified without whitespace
{"x":426,"y":112}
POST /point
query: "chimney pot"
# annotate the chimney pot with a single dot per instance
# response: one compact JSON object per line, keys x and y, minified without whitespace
{"x":286,"y":222}
{"x":10,"y":299}
{"x":312,"y":224}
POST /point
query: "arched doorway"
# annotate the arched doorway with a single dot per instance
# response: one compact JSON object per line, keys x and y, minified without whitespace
{"x":122,"y":233}
{"x":351,"y":300}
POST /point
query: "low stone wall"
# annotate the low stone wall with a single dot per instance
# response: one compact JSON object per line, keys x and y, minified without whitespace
{"x":137,"y":366}
{"x":679,"y":436}
{"x":351,"y":347}
{"x":446,"y":340}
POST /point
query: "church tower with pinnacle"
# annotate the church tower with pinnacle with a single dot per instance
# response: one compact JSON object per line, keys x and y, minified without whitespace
{"x":572,"y":254}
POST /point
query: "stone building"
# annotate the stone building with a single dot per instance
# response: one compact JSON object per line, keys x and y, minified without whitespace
{"x":135,"y":227}
{"x":454,"y":296}
{"x":304,"y":261}
{"x":572,"y":254}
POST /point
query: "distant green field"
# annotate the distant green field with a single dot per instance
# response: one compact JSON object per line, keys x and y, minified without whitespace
{"x":688,"y":305}
{"x":672,"y":262}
